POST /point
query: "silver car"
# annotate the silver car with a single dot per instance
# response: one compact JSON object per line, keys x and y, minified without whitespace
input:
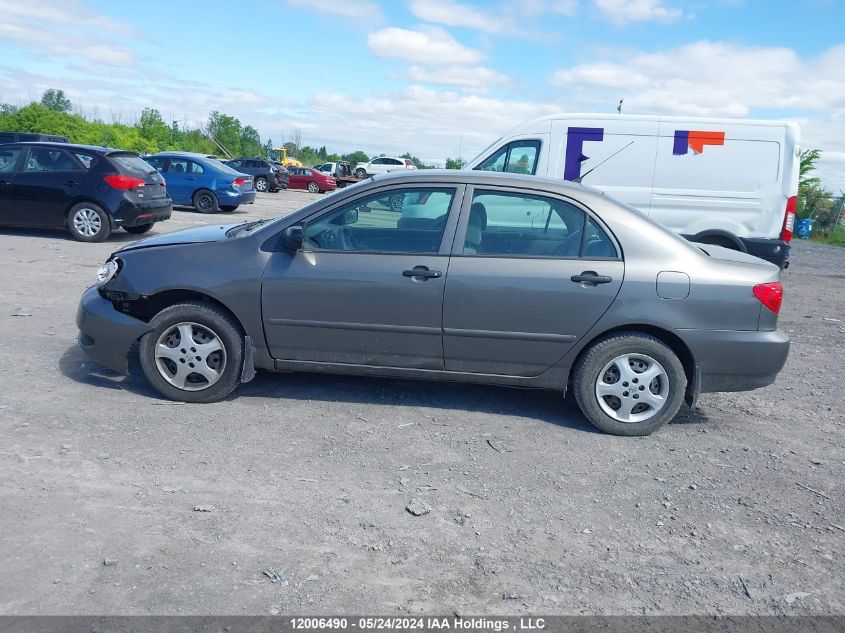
{"x":472,"y":276}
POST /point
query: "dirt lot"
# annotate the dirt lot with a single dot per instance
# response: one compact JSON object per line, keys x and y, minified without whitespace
{"x":737,"y":508}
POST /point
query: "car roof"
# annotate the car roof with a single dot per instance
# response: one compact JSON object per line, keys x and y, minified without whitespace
{"x":185,"y":154}
{"x":490,"y":178}
{"x":71,"y":146}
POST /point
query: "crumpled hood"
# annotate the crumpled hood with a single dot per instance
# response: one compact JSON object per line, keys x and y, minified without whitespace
{"x":208,"y":233}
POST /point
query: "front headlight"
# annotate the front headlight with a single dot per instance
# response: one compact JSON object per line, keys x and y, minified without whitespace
{"x":107,"y":272}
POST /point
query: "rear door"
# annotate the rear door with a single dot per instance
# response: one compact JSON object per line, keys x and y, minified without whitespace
{"x":10,"y":157}
{"x":296,"y":178}
{"x":364,"y":289}
{"x":44,"y":188}
{"x":529,"y":276}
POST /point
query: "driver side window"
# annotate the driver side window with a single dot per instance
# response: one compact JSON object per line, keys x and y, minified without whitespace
{"x":393,"y":221}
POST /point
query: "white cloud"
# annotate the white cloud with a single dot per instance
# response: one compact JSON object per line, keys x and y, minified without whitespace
{"x":66,"y":29}
{"x":452,"y":13}
{"x":360,"y":9}
{"x":565,"y":7}
{"x":723,"y":79}
{"x":622,"y":11}
{"x":471,"y":78}
{"x":604,"y":74}
{"x":430,"y":45}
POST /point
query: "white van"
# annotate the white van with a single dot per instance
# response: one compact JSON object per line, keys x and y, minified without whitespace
{"x":731,"y":182}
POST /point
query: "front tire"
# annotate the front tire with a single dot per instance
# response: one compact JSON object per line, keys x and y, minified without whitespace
{"x":629,"y":383}
{"x":194,"y":353}
{"x":229,"y":208}
{"x":205,"y":201}
{"x":139,"y":229}
{"x":88,"y":222}
{"x":313,"y":187}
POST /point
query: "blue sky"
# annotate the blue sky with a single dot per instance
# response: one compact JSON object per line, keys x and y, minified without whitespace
{"x":433,"y":76}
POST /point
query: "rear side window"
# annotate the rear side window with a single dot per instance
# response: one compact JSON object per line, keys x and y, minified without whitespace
{"x":194,"y":168}
{"x":9,"y":158}
{"x":43,"y":159}
{"x":87,"y":160}
{"x":132,"y":163}
{"x":517,"y":225}
{"x":517,"y":157}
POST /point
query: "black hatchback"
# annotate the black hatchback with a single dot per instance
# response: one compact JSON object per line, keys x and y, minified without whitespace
{"x":90,"y":191}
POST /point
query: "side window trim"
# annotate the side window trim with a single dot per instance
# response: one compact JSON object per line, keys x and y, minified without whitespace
{"x":457,"y":249}
{"x":447,"y":240}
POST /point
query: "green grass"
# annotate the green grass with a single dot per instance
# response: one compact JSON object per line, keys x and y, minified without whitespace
{"x":835,"y":237}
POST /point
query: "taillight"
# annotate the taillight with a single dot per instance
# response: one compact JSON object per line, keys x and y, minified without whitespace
{"x":770,"y":295}
{"x":117,"y":181}
{"x":237,"y":182}
{"x":789,"y":219}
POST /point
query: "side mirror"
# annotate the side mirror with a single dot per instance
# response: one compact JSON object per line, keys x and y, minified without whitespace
{"x":292,"y":238}
{"x":350,"y":217}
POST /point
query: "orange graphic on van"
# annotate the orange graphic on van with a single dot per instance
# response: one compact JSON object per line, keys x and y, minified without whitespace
{"x":696,"y":140}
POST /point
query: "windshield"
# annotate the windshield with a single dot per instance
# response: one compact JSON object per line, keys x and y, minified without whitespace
{"x":132,"y":162}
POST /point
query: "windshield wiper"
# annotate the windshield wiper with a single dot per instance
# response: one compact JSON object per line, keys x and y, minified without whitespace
{"x":243,"y":228}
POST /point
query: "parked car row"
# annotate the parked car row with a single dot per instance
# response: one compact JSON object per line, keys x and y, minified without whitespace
{"x":90,"y":191}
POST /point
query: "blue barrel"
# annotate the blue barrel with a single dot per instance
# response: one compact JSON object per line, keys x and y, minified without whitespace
{"x":804,"y":227}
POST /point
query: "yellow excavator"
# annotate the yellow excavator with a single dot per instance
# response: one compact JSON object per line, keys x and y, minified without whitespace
{"x":281,"y":154}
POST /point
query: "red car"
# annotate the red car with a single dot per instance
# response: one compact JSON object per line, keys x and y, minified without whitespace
{"x":310,"y":179}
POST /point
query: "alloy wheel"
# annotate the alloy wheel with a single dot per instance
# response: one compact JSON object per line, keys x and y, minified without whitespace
{"x":87,"y":222}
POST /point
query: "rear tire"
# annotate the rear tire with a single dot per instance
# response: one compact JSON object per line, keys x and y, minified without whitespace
{"x":360,"y":173}
{"x":88,"y":222}
{"x":205,"y":201}
{"x":209,"y":368}
{"x":629,"y":383}
{"x":313,"y":187}
{"x":262,"y":184}
{"x":139,"y":229}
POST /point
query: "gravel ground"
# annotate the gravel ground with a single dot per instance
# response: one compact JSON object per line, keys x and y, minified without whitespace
{"x":117,"y":502}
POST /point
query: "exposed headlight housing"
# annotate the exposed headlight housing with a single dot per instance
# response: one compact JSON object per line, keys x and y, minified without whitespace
{"x":108,"y":271}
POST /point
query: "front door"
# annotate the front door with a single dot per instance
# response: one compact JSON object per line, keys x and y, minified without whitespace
{"x":529,"y":276}
{"x":365,"y":288}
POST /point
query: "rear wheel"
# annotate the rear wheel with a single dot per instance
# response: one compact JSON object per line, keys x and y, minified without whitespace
{"x":88,"y":222}
{"x":396,"y":203}
{"x":629,"y":384}
{"x":205,"y":201}
{"x":717,"y":240}
{"x":138,"y":229}
{"x":313,"y":187}
{"x":261,"y":184}
{"x":193,"y":353}
{"x":360,"y":173}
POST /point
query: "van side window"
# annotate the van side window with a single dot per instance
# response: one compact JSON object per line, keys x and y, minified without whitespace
{"x":517,"y":157}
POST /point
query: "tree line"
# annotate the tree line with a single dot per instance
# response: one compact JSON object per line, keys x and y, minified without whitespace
{"x":221,"y":134}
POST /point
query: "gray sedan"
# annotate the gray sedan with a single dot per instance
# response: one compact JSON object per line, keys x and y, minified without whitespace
{"x":447,"y":275}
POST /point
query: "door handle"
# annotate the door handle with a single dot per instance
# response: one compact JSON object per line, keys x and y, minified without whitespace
{"x":422,"y":272}
{"x":591,"y":278}
{"x":71,"y":183}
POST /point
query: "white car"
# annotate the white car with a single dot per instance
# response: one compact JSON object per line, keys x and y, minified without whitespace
{"x":382,"y":165}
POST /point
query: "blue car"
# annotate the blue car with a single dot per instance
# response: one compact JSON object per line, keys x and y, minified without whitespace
{"x":203,"y":182}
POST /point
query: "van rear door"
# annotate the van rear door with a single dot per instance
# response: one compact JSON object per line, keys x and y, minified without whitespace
{"x":719,"y":177}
